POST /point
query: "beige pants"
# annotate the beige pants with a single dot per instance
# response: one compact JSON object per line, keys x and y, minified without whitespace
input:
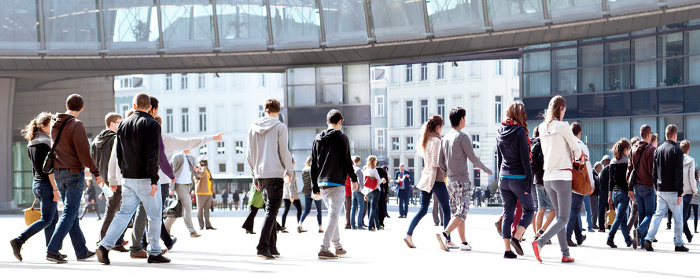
{"x":183,"y":195}
{"x":204,"y":203}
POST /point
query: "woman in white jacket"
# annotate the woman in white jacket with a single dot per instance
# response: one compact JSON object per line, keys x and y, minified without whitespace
{"x":559,"y":146}
{"x":432,"y":179}
{"x":372,"y":195}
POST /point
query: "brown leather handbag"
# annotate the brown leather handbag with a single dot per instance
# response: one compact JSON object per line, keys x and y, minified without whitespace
{"x":581,"y":182}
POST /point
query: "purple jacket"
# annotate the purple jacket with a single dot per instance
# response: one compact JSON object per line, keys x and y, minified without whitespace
{"x":163,"y":161}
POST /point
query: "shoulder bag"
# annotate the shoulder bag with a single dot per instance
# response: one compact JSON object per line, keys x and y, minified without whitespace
{"x":580,"y":182}
{"x":633,"y":173}
{"x":48,"y":162}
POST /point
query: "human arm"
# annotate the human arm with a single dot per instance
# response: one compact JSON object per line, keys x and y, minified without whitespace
{"x":283,"y":147}
{"x":630,"y":166}
{"x":173,"y":144}
{"x":163,"y":161}
{"x":441,"y":160}
{"x":678,"y":171}
{"x":82,"y":147}
{"x":525,"y":157}
{"x":152,"y":143}
{"x":113,"y":172}
{"x":314,"y":168}
{"x":347,"y":161}
{"x":691,"y":176}
{"x":571,"y":140}
{"x":469,"y":151}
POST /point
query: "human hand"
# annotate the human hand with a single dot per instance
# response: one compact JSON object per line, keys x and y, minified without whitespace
{"x":257,"y":186}
{"x":56,"y":195}
{"x":113,"y":188}
{"x":631,"y":195}
{"x":154,"y":190}
{"x":99,"y":180}
{"x":355,"y":186}
{"x":172,"y":192}
{"x":292,"y":199}
{"x":218,"y":136}
{"x":365,"y":198}
{"x":610,"y":200}
{"x":383,"y":181}
{"x":680,"y":199}
{"x":174,"y":179}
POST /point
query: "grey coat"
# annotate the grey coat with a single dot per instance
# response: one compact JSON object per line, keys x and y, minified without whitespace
{"x":177,"y":162}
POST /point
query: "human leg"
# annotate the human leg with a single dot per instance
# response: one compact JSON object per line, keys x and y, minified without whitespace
{"x":602,"y":209}
{"x":272,"y":194}
{"x":307,"y":208}
{"x":424,"y":203}
{"x":333,"y":198}
{"x":686,"y":216}
{"x":287,"y":205}
{"x":576,"y":200}
{"x":661,"y":210}
{"x":70,"y":186}
{"x":560,"y":194}
{"x":646,"y":199}
{"x":594,"y":211}
{"x":44,"y":192}
{"x":589,"y":213}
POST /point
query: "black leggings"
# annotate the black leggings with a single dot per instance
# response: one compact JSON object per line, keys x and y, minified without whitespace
{"x":694,"y":210}
{"x":287,"y":205}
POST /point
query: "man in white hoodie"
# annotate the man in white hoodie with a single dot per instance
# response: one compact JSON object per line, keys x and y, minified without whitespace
{"x":269,"y":160}
{"x":690,"y":186}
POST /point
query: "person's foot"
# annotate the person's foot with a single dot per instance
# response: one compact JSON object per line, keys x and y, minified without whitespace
{"x":371,"y":229}
{"x":16,"y":247}
{"x":452,"y":246}
{"x":99,"y":219}
{"x":326,"y":255}
{"x":340,"y":252}
{"x":409,"y":241}
{"x":275,"y":253}
{"x":163,"y":251}
{"x":320,"y":231}
{"x":668,"y":228}
{"x":195,"y":234}
{"x":361,"y":228}
{"x":655,"y":240}
{"x":442,"y":239}
{"x":536,"y":249}
{"x":510,"y":255}
{"x":516,"y":245}
{"x":632,"y":243}
{"x":581,"y":240}
{"x":266,"y":255}
{"x":566,"y":259}
{"x":381,"y":227}
{"x":284,"y":231}
{"x":595,"y":227}
{"x":172,"y":244}
{"x":682,"y":249}
{"x":437,"y":224}
{"x":120,"y":248}
{"x":300,"y":230}
{"x":211,"y":228}
{"x":591,"y":230}
{"x":125,"y":242}
{"x":87,"y":256}
{"x":158,"y":259}
{"x":348,"y":227}
{"x":611,"y":244}
{"x":635,"y":239}
{"x":571,"y":243}
{"x":102,"y":255}
{"x":465,"y":247}
{"x":601,"y":230}
{"x":499,"y":228}
{"x":139,"y":255}
{"x":690,"y":239}
{"x":647,"y":246}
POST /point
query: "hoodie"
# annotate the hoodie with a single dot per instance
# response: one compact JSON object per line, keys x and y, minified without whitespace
{"x":330,"y":159}
{"x":101,"y":149}
{"x":514,"y":152}
{"x":268,"y":152}
{"x":690,"y":185}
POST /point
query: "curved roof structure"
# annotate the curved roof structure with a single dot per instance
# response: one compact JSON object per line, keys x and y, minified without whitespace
{"x":88,"y":37}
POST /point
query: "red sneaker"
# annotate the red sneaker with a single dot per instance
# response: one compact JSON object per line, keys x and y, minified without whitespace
{"x":536,"y":248}
{"x":566,"y":259}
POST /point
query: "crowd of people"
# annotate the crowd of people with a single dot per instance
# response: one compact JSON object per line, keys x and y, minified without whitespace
{"x":640,"y":183}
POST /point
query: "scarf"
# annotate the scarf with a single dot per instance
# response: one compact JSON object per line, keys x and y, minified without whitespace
{"x":510,"y":122}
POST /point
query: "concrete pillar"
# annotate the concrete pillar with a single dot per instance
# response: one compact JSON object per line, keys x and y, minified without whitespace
{"x":7,"y":99}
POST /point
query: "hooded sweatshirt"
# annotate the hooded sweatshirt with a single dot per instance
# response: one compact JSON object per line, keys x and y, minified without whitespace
{"x":514,"y":152}
{"x":330,"y":160}
{"x":101,"y":149}
{"x":690,"y":185}
{"x":268,"y":152}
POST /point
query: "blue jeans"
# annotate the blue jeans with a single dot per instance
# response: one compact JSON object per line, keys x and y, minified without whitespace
{"x":70,"y":185}
{"x":589,"y":213}
{"x":135,"y":192}
{"x":440,"y":190}
{"x":373,"y":198}
{"x":358,"y":201}
{"x":512,"y":191}
{"x":573,"y":225}
{"x":307,"y":208}
{"x":666,"y":201}
{"x":49,"y":214}
{"x":621,"y":202}
{"x":646,"y":205}
{"x":403,"y":200}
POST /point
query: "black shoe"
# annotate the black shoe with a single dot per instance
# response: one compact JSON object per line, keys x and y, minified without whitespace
{"x":647,"y":245}
{"x":381,"y":227}
{"x":571,"y":243}
{"x":249,"y":232}
{"x":581,"y":240}
{"x":284,"y":231}
{"x":510,"y":255}
{"x":655,"y":240}
{"x":668,"y":228}
{"x":57,"y":258}
{"x":266,"y":255}
{"x":682,"y":249}
{"x":87,"y":256}
{"x":211,"y":228}
{"x":172,"y":244}
{"x":158,"y":259}
{"x":437,"y":224}
{"x":348,"y":227}
{"x":690,"y":239}
{"x":102,"y":255}
{"x":516,"y":245}
{"x":611,"y":244}
{"x":371,"y":229}
{"x":16,"y":247}
{"x":601,"y":230}
{"x":120,"y":248}
{"x":274,"y":252}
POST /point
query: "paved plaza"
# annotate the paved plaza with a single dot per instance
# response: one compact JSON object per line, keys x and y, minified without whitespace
{"x":228,"y":252}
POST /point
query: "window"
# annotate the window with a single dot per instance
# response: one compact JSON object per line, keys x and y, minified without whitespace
{"x":441,"y":70}
{"x":423,"y":111}
{"x":411,"y":164}
{"x":185,"y":120}
{"x":169,"y":120}
{"x":379,"y":106}
{"x":457,"y":71}
{"x":222,"y":167}
{"x":441,"y":108}
{"x":475,"y":141}
{"x":409,"y":113}
{"x":409,"y":73}
{"x":183,"y":81}
{"x":220,"y":148}
{"x":240,"y":167}
{"x":395,"y":144}
{"x":499,"y":68}
{"x":380,"y":139}
{"x":261,"y":111}
{"x":498,"y":109}
{"x":202,"y":81}
{"x":168,"y":81}
{"x":202,"y":119}
{"x":239,"y":147}
{"x":516,"y":68}
{"x":203,"y":150}
{"x":423,"y":71}
{"x":397,"y":163}
{"x":474,"y":69}
{"x":409,"y":143}
{"x":262,"y":80}
{"x":125,"y":108}
{"x":126,"y":83}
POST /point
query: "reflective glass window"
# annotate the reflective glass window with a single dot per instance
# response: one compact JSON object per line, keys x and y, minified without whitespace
{"x":303,"y":95}
{"x":397,"y":20}
{"x":693,"y":38}
{"x":535,"y":106}
{"x":617,"y":77}
{"x":564,"y":58}
{"x":456,"y":17}
{"x":617,"y":104}
{"x":591,"y":79}
{"x":299,"y":76}
{"x":564,"y":82}
{"x":619,"y":7}
{"x":537,"y":84}
{"x":344,"y":22}
{"x":691,"y":99}
{"x":187,"y":25}
{"x":667,"y":120}
{"x":615,"y":129}
{"x":567,"y":10}
{"x":671,"y":71}
{"x":131,"y":26}
{"x":590,"y":106}
{"x":19,"y":20}
{"x":670,"y":101}
{"x":242,"y":25}
{"x":693,"y":124}
{"x":593,"y":131}
{"x":295,"y":23}
{"x":644,"y":102}
{"x":639,"y":121}
{"x":536,"y":61}
{"x":71,"y":27}
{"x":644,"y":72}
{"x":514,"y":14}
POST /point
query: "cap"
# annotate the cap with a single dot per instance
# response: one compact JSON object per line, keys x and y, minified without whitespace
{"x":605,"y":157}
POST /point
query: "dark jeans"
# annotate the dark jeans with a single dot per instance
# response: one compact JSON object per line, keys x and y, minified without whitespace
{"x":271,"y":189}
{"x":443,"y":198}
{"x":695,"y":213}
{"x":646,"y":206}
{"x":113,"y":205}
{"x":403,"y":200}
{"x":621,"y":202}
{"x":357,"y":211}
{"x":372,"y":208}
{"x":686,"y":216}
{"x":602,"y":209}
{"x":287,"y":207}
{"x":70,"y":186}
{"x":512,"y":191}
{"x":307,"y":208}
{"x":382,"y":208}
{"x":594,"y":210}
{"x":348,"y":206}
{"x":164,"y":235}
{"x":250,"y":221}
{"x":49,"y":214}
{"x":574,"y":226}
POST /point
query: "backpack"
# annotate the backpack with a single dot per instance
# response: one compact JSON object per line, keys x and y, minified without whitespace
{"x":537,"y":158}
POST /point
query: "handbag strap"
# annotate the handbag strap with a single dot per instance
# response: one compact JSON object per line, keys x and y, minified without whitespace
{"x":60,"y":131}
{"x":34,"y":202}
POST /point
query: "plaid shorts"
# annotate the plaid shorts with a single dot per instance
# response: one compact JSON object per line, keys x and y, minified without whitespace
{"x":459,"y":198}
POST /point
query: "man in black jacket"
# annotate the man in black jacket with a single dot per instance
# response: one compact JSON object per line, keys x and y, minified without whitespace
{"x":668,"y":179}
{"x":138,"y":148}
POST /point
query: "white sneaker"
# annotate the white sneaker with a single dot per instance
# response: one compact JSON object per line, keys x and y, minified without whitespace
{"x":441,"y":239}
{"x":465,"y":247}
{"x":452,"y":246}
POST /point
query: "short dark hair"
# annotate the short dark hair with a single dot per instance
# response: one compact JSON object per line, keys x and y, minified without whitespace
{"x":685,"y":146}
{"x":575,"y":128}
{"x":645,"y":131}
{"x":272,"y":105}
{"x":537,"y":132}
{"x":111,"y":118}
{"x":671,"y":130}
{"x":334,"y":116}
{"x":154,"y":102}
{"x":142,"y":101}
{"x":456,"y":115}
{"x":75,"y":102}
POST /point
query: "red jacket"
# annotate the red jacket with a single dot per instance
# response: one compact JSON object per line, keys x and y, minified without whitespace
{"x":348,"y":188}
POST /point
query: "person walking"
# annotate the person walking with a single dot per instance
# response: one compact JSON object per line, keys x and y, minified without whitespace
{"x":371,"y":175}
{"x":290,"y":196}
{"x":224,"y":199}
{"x":544,"y":204}
{"x":184,"y":167}
{"x":43,"y":185}
{"x":642,"y":191}
{"x":432,"y":180}
{"x":513,"y":146}
{"x":603,"y":205}
{"x":357,"y":212}
{"x":205,"y":193}
{"x":236,"y":198}
{"x":690,"y":186}
{"x":383,"y":194}
{"x":330,"y":165}
{"x":668,"y":179}
{"x":618,"y":196}
{"x":558,"y":144}
{"x":72,"y":155}
{"x":137,"y":153}
{"x":404,"y":180}
{"x":455,"y":150}
{"x":269,"y":159}
{"x":575,"y":225}
{"x":91,"y":201}
{"x":308,"y":200}
{"x":594,"y":196}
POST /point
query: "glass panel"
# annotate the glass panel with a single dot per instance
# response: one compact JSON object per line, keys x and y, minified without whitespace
{"x":619,"y":7}
{"x":187,"y":25}
{"x":593,"y":131}
{"x":670,"y":101}
{"x":356,"y":73}
{"x":638,"y":122}
{"x":131,"y":26}
{"x":693,"y":124}
{"x":671,"y":72}
{"x":295,"y":23}
{"x":514,"y":14}
{"x":593,"y":106}
{"x":19,"y":33}
{"x":301,"y":76}
{"x":564,"y":82}
{"x":535,"y":106}
{"x":617,"y":104}
{"x":536,"y":61}
{"x":357,"y":93}
{"x":693,"y":38}
{"x":617,"y":77}
{"x":301,"y":138}
{"x":645,"y":103}
{"x":330,"y":94}
{"x":591,"y":55}
{"x":456,"y":17}
{"x":667,"y":120}
{"x":396,"y":20}
{"x":329,"y":74}
{"x":591,"y":80}
{"x":615,"y":129}
{"x":564,"y":58}
{"x":242,"y":25}
{"x":691,"y":99}
{"x":302,"y":95}
{"x":568,"y":10}
{"x":344,"y":22}
{"x":644,"y":72}
{"x":693,"y":41}
{"x":71,"y":27}
{"x":537,"y":84}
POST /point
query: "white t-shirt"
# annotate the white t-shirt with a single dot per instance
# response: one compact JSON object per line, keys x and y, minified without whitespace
{"x":186,"y":174}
